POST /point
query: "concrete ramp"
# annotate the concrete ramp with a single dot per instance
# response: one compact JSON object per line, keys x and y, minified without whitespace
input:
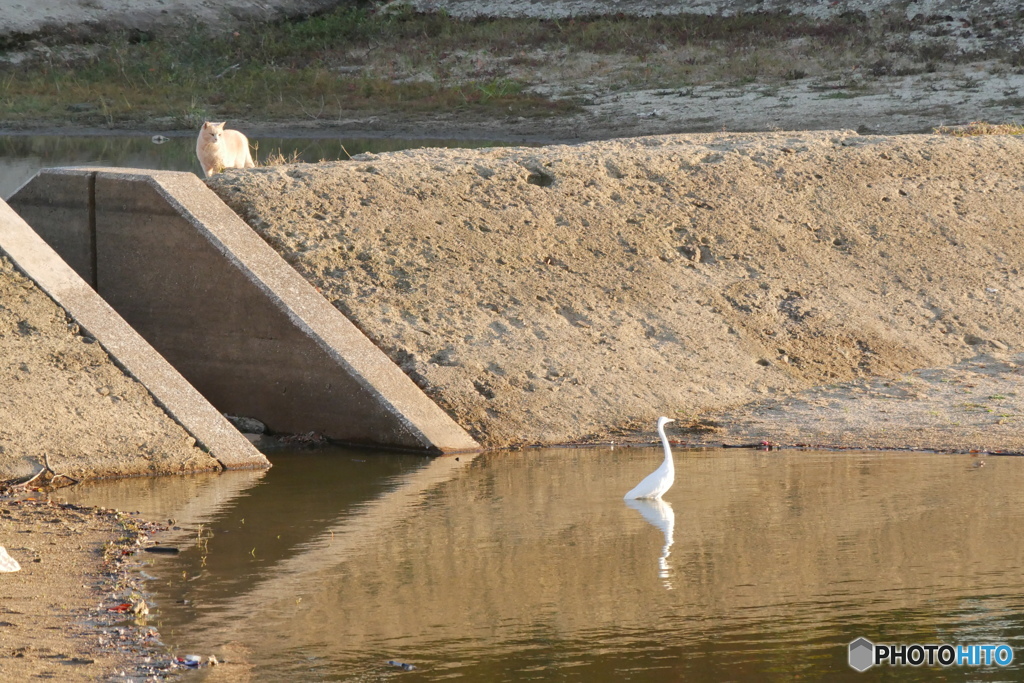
{"x":179,"y":399}
{"x":226,"y":310}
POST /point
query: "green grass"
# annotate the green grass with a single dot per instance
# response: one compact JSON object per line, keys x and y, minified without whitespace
{"x":281,"y":71}
{"x":354,"y":60}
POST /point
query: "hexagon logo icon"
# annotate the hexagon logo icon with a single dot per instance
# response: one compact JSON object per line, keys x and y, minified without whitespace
{"x":862,"y":654}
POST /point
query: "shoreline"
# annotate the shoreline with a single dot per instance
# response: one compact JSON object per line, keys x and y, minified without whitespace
{"x":76,"y":609}
{"x":68,"y":612}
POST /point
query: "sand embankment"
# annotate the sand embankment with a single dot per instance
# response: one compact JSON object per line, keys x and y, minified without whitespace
{"x":65,"y":398}
{"x":565,"y":293}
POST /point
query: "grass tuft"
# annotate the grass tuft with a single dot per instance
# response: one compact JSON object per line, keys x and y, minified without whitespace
{"x":277,"y":158}
{"x":981,"y":128}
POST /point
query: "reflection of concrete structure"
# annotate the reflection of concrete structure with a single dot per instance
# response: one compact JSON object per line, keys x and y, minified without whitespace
{"x":227,"y":311}
{"x":343,"y":541}
{"x":179,"y":399}
{"x":189,"y":501}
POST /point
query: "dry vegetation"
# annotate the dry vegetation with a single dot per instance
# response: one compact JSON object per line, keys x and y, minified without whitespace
{"x":982,"y":128}
{"x":357,"y":60}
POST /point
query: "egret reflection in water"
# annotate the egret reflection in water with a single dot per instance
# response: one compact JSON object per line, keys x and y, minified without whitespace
{"x":660,"y":514}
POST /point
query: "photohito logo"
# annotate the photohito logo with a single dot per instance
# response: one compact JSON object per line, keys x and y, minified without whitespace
{"x":864,"y":654}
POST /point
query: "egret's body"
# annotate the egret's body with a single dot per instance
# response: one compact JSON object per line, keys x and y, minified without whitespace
{"x":660,"y":480}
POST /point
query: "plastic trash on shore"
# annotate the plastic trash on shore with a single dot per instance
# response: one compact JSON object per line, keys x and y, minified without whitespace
{"x":195,"y":661}
{"x":401,"y":665}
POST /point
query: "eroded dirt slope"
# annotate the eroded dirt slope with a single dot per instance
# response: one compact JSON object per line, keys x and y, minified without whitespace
{"x":64,"y":398}
{"x":562,"y":294}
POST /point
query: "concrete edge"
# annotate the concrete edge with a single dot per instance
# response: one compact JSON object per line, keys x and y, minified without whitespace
{"x":307,"y":309}
{"x":130,"y":351}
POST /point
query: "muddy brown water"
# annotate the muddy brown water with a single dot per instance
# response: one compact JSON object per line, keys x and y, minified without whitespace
{"x":528,"y":565}
{"x":21,"y":156}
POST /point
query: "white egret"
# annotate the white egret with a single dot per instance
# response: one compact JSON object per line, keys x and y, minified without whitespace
{"x":660,"y":480}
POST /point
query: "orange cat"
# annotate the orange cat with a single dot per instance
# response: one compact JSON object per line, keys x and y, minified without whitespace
{"x":218,"y":149}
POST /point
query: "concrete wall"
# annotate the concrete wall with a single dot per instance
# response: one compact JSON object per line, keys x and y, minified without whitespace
{"x":131,"y":352}
{"x":227,"y":311}
{"x":66,"y":227}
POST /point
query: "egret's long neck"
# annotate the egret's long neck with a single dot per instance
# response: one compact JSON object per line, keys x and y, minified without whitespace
{"x":668,"y":450}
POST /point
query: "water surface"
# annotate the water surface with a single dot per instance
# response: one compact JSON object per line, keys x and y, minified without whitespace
{"x":529,"y":565}
{"x":21,"y":156}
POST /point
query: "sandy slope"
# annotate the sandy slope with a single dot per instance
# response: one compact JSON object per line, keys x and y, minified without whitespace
{"x":559,"y":294}
{"x":65,"y":398}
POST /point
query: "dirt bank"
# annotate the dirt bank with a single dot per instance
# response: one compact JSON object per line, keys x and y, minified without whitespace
{"x":64,"y":398}
{"x":565,"y":293}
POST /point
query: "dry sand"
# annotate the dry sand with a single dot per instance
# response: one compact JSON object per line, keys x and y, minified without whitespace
{"x":567,"y":293}
{"x":55,"y":613}
{"x":64,"y":398}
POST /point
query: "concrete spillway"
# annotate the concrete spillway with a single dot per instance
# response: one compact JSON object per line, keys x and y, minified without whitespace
{"x":212,"y":433}
{"x":226,"y":310}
